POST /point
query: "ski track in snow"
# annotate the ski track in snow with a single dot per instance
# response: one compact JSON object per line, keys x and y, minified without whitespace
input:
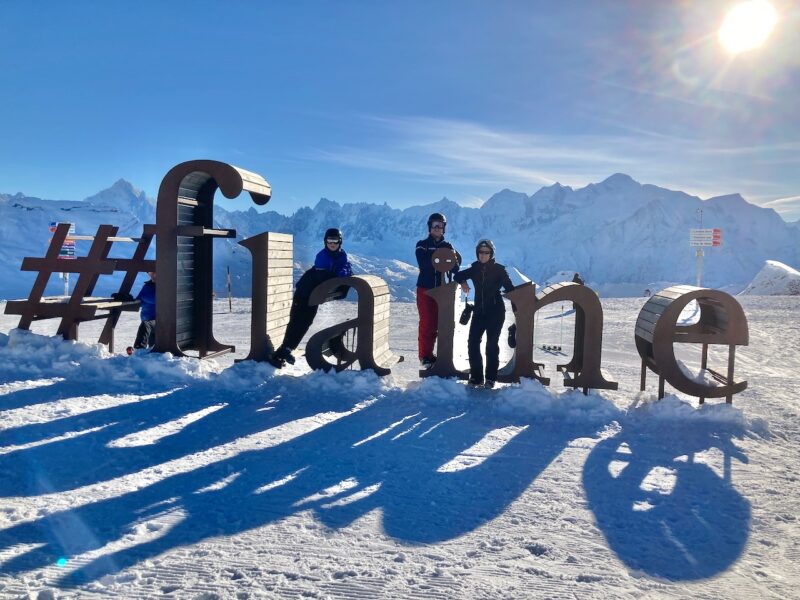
{"x":153,"y":476}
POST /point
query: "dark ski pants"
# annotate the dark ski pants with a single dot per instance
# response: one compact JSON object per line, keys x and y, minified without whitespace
{"x":300,"y":319}
{"x":146,"y":335}
{"x":490,"y":324}
{"x":301,"y":316}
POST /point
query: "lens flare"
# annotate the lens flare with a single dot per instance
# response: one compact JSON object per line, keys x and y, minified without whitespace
{"x":747,"y":26}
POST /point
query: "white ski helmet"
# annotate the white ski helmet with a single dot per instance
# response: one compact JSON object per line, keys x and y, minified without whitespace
{"x":485,"y":243}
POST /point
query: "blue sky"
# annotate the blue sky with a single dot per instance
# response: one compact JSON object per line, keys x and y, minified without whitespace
{"x":398,"y":102}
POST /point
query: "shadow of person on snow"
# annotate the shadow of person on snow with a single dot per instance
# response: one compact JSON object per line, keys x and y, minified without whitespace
{"x":420,"y":464}
{"x":91,"y":447}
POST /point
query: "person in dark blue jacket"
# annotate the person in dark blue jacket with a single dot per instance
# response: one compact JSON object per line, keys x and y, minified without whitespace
{"x":428,"y":279}
{"x":330,"y":262}
{"x":146,"y":335}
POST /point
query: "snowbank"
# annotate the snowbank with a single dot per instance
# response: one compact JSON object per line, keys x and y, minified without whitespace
{"x":775,"y":279}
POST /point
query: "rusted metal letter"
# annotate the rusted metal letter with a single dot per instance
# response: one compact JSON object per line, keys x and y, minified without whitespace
{"x":184,"y":261}
{"x":443,"y":261}
{"x":271,"y":291}
{"x":371,"y":327}
{"x":583,"y":371}
{"x":721,"y":321}
{"x":523,"y":298}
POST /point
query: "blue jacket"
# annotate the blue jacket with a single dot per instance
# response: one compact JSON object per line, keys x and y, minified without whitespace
{"x":147,"y":296}
{"x":335,"y":262}
{"x":428,"y":276}
{"x":327,"y":265}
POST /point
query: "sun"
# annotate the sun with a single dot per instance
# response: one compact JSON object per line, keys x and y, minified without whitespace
{"x":747,"y":26}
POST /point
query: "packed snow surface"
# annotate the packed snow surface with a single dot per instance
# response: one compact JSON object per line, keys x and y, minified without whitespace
{"x":154,"y":476}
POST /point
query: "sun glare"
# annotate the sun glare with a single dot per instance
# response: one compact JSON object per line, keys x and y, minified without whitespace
{"x":747,"y":26}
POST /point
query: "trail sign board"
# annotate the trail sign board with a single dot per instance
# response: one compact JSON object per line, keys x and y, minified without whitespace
{"x":54,"y":225}
{"x":67,"y":250}
{"x":705,"y":237}
{"x":68,"y":247}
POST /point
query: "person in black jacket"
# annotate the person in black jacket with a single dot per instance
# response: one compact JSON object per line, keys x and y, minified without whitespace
{"x":488,"y":277}
{"x":428,"y":279}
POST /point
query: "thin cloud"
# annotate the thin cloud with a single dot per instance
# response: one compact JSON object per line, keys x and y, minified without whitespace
{"x":790,"y":201}
{"x":461,"y":153}
{"x":467,"y":153}
{"x":792,"y":148}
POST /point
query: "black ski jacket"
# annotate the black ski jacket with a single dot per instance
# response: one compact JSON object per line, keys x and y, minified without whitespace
{"x":429,"y":277}
{"x":487,"y":279}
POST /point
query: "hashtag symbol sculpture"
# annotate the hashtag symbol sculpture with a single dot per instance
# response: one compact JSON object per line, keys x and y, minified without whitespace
{"x":80,"y":306}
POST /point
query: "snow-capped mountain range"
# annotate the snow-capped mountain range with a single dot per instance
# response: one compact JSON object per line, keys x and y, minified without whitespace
{"x":622,"y":236}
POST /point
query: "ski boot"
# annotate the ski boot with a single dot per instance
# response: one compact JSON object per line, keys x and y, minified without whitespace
{"x":281,"y":356}
{"x":427,"y":361}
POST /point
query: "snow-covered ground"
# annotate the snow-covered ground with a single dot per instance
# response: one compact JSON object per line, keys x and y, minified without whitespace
{"x":775,"y":279}
{"x":152,"y":476}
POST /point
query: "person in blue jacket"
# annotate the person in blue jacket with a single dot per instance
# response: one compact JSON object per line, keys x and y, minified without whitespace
{"x":330,"y":262}
{"x":146,"y":335}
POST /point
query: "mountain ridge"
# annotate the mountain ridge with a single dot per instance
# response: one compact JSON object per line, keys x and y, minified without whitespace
{"x":620,"y":234}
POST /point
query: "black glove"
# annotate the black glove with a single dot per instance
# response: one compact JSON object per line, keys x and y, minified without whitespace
{"x":512,"y":335}
{"x":122,"y":297}
{"x":466,"y":314}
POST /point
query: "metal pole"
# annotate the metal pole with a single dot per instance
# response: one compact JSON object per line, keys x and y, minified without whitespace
{"x":699,"y":253}
{"x":66,"y":284}
{"x":230,"y":303}
{"x":699,"y":258}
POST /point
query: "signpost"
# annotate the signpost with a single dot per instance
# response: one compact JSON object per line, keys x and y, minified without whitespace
{"x":700,"y":238}
{"x":705,"y":237}
{"x":67,"y":251}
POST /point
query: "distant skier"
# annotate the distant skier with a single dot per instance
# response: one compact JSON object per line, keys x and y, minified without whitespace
{"x":330,"y":262}
{"x":428,"y":279}
{"x":488,"y":277}
{"x":146,"y":334}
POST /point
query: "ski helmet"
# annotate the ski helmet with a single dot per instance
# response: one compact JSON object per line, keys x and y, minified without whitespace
{"x":333,"y":234}
{"x":485,"y":244}
{"x":437,"y":217}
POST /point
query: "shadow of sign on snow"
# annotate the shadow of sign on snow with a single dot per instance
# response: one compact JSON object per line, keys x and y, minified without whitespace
{"x":663,"y":497}
{"x":436,"y":468}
